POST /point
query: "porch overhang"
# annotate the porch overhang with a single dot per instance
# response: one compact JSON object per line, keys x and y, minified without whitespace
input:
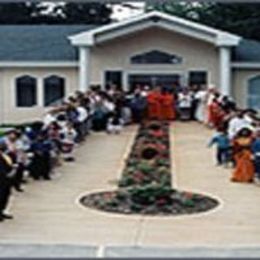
{"x":155,"y":20}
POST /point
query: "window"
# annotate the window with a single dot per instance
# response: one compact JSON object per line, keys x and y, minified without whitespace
{"x":198,"y":78}
{"x":156,"y":57}
{"x":254,"y":93}
{"x":26,"y":91}
{"x":113,"y":78}
{"x":54,"y":90}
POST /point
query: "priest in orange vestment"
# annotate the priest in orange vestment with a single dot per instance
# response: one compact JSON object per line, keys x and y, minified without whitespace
{"x":153,"y":102}
{"x":167,"y":106}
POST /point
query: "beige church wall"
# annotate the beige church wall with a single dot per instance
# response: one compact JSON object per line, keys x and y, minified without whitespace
{"x":240,"y":80}
{"x":115,"y":54}
{"x":12,"y":114}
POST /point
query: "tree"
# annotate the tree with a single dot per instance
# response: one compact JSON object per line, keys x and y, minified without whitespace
{"x":60,"y":13}
{"x":238,"y":18}
{"x":16,"y":13}
{"x":89,"y":13}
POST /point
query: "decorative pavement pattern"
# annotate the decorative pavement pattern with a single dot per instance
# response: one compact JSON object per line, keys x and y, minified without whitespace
{"x":50,"y":213}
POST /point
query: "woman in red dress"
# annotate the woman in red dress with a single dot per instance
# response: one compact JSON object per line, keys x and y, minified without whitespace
{"x":216,"y":114}
{"x":244,"y":169}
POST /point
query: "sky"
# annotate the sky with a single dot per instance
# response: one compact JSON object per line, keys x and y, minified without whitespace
{"x":120,"y":11}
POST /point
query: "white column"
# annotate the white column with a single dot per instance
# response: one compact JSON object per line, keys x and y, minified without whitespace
{"x":125,"y":81}
{"x":225,"y":70}
{"x":84,"y":68}
{"x":40,"y":92}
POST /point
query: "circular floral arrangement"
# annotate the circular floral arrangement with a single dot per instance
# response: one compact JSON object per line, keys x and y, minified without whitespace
{"x":145,"y":184}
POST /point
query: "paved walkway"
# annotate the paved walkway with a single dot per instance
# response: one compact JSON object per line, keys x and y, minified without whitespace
{"x":49,"y":213}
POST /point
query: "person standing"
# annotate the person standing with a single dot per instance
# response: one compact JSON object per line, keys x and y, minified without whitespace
{"x":6,"y":168}
{"x":138,"y":106}
{"x":201,"y":97}
{"x":221,"y":140}
{"x":244,"y":167}
{"x":14,"y":150}
{"x":194,"y":101}
{"x":184,"y":104}
{"x":68,"y":137}
{"x":167,"y":105}
{"x":153,"y":102}
{"x":256,"y":155}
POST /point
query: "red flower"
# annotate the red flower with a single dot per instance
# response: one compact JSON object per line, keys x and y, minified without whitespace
{"x":158,"y":133}
{"x":161,"y":201}
{"x":188,"y":195}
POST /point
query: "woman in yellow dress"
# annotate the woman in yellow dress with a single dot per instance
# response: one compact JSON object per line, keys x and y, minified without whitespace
{"x":244,"y":169}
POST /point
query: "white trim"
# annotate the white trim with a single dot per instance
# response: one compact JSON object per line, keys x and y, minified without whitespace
{"x":220,"y":38}
{"x":38,"y":64}
{"x":84,"y":69}
{"x":246,"y":65}
{"x":40,"y":92}
{"x":225,"y":70}
{"x":48,"y":75}
{"x":14,"y":92}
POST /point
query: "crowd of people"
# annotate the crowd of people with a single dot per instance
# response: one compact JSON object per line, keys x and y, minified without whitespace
{"x":36,"y":150}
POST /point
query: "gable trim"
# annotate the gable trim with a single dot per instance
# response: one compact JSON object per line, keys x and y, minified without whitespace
{"x":158,"y":19}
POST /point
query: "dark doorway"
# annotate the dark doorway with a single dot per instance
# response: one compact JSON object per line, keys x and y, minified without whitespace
{"x":152,"y":80}
{"x":113,"y":78}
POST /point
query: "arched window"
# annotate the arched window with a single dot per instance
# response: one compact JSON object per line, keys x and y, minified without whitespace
{"x":254,"y":93}
{"x":26,"y":91}
{"x":156,"y":57}
{"x":54,"y":90}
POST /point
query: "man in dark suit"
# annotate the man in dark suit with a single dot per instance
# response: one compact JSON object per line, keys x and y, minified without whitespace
{"x":6,"y":168}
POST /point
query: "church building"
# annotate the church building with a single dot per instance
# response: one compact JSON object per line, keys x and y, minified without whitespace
{"x":42,"y":64}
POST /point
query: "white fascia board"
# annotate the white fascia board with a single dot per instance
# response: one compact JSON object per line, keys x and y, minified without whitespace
{"x":84,"y":38}
{"x":227,"y":39}
{"x":245,"y":65}
{"x":221,"y":37}
{"x":38,"y":64}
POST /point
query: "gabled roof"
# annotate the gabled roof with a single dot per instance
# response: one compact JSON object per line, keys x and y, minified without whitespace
{"x":155,"y":19}
{"x":38,"y":42}
{"x":247,"y":51}
{"x":47,"y":43}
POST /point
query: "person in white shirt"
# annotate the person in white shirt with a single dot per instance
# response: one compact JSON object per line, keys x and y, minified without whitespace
{"x":184,"y":104}
{"x":82,"y":121}
{"x":201,"y":96}
{"x":68,"y":137}
{"x":237,"y":123}
{"x":115,"y":123}
{"x":49,"y":117}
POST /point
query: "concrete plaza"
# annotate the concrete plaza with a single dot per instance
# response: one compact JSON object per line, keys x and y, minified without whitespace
{"x":49,"y":212}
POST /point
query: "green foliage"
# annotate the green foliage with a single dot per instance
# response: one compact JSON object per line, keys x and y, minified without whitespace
{"x":62,"y":13}
{"x":238,"y":18}
{"x":144,"y":167}
{"x":148,"y":194}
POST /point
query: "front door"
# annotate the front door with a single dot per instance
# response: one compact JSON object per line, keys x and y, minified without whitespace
{"x":152,"y":80}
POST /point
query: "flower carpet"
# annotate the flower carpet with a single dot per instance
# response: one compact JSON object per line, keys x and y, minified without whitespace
{"x":145,"y":184}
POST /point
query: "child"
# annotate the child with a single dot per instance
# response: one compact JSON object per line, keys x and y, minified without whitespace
{"x":256,"y":155}
{"x":115,"y":123}
{"x":68,"y":137}
{"x":40,"y":166}
{"x":53,"y":131}
{"x":223,"y":147}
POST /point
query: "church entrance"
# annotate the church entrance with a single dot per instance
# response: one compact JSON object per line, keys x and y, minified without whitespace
{"x":153,"y":80}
